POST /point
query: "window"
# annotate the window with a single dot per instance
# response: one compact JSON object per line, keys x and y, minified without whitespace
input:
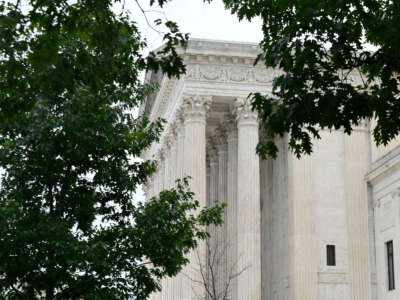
{"x":330,"y":255}
{"x":390,"y":264}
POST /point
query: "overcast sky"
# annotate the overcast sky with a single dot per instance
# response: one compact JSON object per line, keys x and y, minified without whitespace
{"x":201,"y":20}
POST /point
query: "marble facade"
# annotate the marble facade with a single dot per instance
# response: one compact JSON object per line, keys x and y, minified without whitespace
{"x":281,"y":214}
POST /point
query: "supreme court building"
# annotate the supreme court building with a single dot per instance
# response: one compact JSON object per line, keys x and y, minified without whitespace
{"x":323,"y":227}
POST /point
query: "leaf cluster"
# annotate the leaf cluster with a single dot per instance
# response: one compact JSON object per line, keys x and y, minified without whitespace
{"x":69,"y":146}
{"x":322,"y":47}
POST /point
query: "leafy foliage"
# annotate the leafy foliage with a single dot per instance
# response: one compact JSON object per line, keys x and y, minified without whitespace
{"x":319,"y":46}
{"x":69,"y":82}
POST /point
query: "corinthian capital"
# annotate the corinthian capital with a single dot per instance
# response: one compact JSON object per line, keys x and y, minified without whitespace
{"x":173,"y":130}
{"x":167,"y":143}
{"x":220,"y":138}
{"x":159,"y":157}
{"x":244,"y":113}
{"x":179,"y":120}
{"x":179,"y":117}
{"x":211,"y":150}
{"x":230,"y":124}
{"x":195,"y":107}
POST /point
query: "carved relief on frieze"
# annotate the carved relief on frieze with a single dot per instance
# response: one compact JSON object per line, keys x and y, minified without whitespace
{"x":238,"y":74}
{"x":230,"y":73}
{"x":211,"y":72}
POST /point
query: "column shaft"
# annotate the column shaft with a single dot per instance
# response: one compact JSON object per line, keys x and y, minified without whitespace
{"x":195,"y":166}
{"x":231,"y":218}
{"x":304,"y":268}
{"x":222,"y":246}
{"x":248,"y":196}
{"x":356,"y":166}
{"x":213,"y":230}
{"x":180,"y":282}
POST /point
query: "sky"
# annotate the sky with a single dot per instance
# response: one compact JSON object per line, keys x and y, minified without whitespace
{"x":199,"y":19}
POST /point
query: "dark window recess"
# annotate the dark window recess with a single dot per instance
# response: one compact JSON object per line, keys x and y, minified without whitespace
{"x":330,"y":255}
{"x":390,"y":264}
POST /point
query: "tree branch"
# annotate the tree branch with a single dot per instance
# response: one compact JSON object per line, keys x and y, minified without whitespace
{"x":145,"y":17}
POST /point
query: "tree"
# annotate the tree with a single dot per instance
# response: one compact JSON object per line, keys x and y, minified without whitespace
{"x":69,"y":81}
{"x":216,"y":274}
{"x":318,"y":46}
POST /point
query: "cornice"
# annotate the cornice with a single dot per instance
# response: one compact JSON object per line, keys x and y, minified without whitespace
{"x":219,"y":48}
{"x":384,"y":166}
{"x":160,"y":105}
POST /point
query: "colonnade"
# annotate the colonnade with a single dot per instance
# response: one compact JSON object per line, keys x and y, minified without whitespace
{"x":224,"y":167}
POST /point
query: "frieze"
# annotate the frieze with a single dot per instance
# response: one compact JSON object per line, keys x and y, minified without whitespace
{"x":230,"y":74}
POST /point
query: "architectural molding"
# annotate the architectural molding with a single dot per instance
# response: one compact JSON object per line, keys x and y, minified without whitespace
{"x":396,"y":193}
{"x":387,"y":164}
{"x":163,"y":97}
{"x":332,"y":277}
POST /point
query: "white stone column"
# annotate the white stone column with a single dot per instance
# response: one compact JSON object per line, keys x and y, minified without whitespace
{"x":213,"y":184}
{"x":167,"y":162}
{"x":248,"y":197}
{"x":180,"y":282}
{"x":173,"y":158}
{"x":231,"y":217}
{"x":356,"y":166}
{"x":303,"y":246}
{"x":156,"y":188}
{"x":195,"y":110}
{"x":166,"y":153}
{"x":222,"y":149}
{"x":148,"y":188}
{"x":180,"y":143}
{"x":156,"y":176}
{"x":266,"y":211}
{"x":172,"y":284}
{"x":208,"y":169}
{"x":213,"y":197}
{"x":208,"y":200}
{"x":160,"y":172}
{"x":167,"y":293}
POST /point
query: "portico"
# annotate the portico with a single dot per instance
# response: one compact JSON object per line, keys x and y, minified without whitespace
{"x":282,"y":214}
